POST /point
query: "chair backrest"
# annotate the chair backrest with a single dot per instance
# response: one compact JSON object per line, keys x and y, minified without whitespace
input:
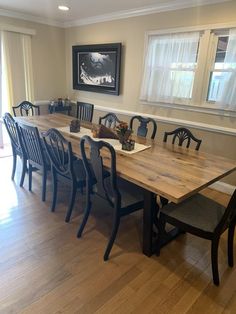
{"x":84,"y":111}
{"x":59,"y":151}
{"x":32,"y":144}
{"x":229,"y":215}
{"x":182,"y":135}
{"x":26,"y":108}
{"x":13,"y":132}
{"x":106,"y":187}
{"x":110,"y":120}
{"x":143,"y":126}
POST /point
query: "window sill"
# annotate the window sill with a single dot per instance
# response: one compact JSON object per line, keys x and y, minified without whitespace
{"x":206,"y":108}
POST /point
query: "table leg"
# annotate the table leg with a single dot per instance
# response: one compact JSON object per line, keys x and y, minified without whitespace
{"x":150,"y":216}
{"x":148,"y":212}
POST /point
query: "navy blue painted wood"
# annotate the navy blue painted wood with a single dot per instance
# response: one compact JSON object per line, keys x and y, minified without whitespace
{"x":121,"y":196}
{"x":16,"y":144}
{"x":143,"y":126}
{"x":26,"y":108}
{"x":64,"y":166}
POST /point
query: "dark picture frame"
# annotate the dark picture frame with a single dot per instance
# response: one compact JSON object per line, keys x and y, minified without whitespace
{"x":96,"y":68}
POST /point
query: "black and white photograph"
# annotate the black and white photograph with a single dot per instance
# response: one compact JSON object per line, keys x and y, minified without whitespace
{"x":97,"y":68}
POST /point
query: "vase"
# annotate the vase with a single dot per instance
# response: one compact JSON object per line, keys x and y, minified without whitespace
{"x":123,"y":137}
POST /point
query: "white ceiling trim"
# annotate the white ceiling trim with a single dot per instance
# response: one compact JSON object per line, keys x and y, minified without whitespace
{"x":168,"y":6}
{"x":31,"y":18}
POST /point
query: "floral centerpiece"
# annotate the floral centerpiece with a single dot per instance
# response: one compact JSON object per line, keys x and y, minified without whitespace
{"x":123,"y":132}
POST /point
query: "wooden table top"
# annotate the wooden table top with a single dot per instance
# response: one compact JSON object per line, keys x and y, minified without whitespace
{"x":165,"y":169}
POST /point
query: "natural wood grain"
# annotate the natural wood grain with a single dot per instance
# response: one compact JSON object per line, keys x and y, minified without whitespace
{"x":167,"y":170}
{"x":45,"y":269}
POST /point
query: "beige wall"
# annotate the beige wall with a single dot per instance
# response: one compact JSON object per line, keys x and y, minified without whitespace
{"x":48,"y":53}
{"x":131,"y":32}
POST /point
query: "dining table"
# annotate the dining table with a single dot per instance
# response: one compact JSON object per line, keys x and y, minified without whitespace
{"x":162,"y":169}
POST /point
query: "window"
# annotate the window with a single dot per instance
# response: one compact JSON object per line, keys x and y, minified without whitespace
{"x":194,"y":68}
{"x":170,"y":67}
{"x":217,"y":74}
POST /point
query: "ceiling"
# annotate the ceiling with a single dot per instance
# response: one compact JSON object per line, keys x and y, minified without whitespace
{"x":89,"y":11}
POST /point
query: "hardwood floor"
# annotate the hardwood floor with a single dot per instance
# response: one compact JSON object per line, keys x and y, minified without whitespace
{"x":45,"y":269}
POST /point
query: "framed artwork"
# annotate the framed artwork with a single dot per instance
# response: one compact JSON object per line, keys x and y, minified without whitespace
{"x":96,"y":68}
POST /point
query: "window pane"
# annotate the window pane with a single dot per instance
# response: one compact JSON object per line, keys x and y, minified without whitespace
{"x":170,"y":67}
{"x":220,"y":62}
{"x":224,"y":66}
{"x":182,"y":83}
{"x":217,"y":81}
{"x":221,"y":51}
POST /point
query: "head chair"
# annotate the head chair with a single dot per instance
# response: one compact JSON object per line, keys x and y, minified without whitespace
{"x":26,"y":108}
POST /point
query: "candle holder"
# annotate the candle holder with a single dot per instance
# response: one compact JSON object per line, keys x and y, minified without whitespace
{"x":128,"y":145}
{"x":75,"y":126}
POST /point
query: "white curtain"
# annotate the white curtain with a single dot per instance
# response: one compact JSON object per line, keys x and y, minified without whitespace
{"x":28,"y":67}
{"x":227,"y":99}
{"x":17,"y":69}
{"x":7,"y":92}
{"x":170,"y":67}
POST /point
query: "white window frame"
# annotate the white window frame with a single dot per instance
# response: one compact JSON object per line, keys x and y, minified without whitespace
{"x":207,"y":47}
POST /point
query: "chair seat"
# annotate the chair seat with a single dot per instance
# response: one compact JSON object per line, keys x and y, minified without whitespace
{"x":130,"y":193}
{"x":198,"y":211}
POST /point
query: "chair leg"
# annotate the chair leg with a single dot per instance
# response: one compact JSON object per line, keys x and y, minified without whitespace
{"x":86,"y":215}
{"x":72,"y":201}
{"x":231,"y":244}
{"x":54,"y":190}
{"x":214,"y":260}
{"x":13,"y":166}
{"x":30,"y":177}
{"x":44,"y":184}
{"x":23,"y":172}
{"x":161,"y":234}
{"x":116,"y":223}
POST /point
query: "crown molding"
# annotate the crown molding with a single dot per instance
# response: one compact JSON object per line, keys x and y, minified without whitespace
{"x":31,"y":18}
{"x":162,"y":7}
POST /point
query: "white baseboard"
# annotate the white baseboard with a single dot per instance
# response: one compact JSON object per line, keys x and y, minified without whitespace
{"x":223,"y":187}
